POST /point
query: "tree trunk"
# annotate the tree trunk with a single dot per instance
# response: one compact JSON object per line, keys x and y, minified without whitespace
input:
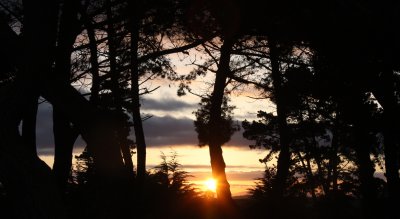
{"x":334,"y":160}
{"x":279,"y":184}
{"x":28,"y":83}
{"x":355,"y":106}
{"x":365,"y":165}
{"x":217,"y":159}
{"x":94,"y":64}
{"x":137,"y":119}
{"x":95,"y":126}
{"x":29,"y":118}
{"x":28,"y":183}
{"x":385,"y":94}
{"x":64,"y":133}
{"x":115,"y":88}
{"x":27,"y":178}
{"x":309,"y":174}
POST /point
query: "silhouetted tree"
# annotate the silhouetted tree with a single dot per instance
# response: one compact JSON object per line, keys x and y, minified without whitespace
{"x":217,"y":132}
{"x":170,"y":175}
{"x":64,"y":134}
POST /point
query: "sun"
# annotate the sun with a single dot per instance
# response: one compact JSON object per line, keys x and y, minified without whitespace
{"x":210,"y":184}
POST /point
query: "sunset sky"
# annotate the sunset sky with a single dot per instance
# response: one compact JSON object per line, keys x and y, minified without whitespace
{"x":171,"y":129}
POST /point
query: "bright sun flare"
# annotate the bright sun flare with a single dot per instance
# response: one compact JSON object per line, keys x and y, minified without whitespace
{"x":211,"y":184}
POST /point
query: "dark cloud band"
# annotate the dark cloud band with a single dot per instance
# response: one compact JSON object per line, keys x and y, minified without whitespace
{"x":159,"y":131}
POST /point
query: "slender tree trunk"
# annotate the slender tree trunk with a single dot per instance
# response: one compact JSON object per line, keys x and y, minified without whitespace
{"x":112,"y":56}
{"x":334,"y":161}
{"x":217,"y":159}
{"x":312,"y":179}
{"x":116,"y":91}
{"x":279,"y":185}
{"x":320,"y":172}
{"x":136,"y":115}
{"x":94,"y":64}
{"x":309,"y":174}
{"x":138,"y":125}
{"x":320,"y":169}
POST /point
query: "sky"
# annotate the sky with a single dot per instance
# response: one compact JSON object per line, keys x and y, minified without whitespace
{"x":171,"y":129}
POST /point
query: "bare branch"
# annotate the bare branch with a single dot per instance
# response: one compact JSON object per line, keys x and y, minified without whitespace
{"x":171,"y":51}
{"x":149,"y":91}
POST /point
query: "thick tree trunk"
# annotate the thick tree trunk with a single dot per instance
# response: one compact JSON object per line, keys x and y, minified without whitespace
{"x":385,"y":94}
{"x":64,"y":133}
{"x":283,"y":165}
{"x":64,"y":139}
{"x":91,"y":123}
{"x":215,"y":143}
{"x":28,"y":183}
{"x":28,"y":179}
{"x":365,"y":165}
{"x":27,"y":81}
{"x":29,"y":118}
{"x":366,"y":170}
{"x":354,"y":106}
{"x":95,"y":126}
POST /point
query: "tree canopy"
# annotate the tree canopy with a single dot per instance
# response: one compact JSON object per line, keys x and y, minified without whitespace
{"x":330,"y":71}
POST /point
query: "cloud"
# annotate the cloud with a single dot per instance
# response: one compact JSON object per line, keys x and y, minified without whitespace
{"x":170,"y":131}
{"x":237,"y":139}
{"x":166,"y":104}
{"x":159,"y":130}
{"x":232,"y":176}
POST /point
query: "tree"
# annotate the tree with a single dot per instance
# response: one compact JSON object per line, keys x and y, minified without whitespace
{"x":218,"y":128}
{"x":64,"y":133}
{"x":169,"y":174}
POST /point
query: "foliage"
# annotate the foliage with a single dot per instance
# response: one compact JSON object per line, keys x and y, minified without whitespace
{"x":170,"y":176}
{"x":226,"y":127}
{"x":340,"y":98}
{"x":322,"y":141}
{"x":83,"y":169}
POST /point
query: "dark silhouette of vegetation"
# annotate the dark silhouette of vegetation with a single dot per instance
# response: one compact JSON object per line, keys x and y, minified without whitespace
{"x":330,"y":71}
